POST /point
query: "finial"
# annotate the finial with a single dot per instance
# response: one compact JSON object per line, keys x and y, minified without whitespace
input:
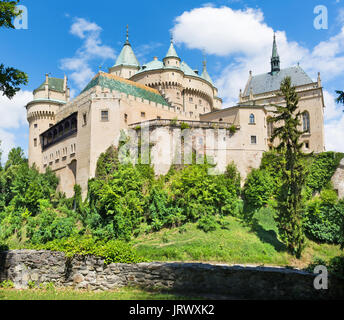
{"x":127,"y":42}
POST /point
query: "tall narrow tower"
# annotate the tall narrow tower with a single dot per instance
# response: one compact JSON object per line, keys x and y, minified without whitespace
{"x":51,"y":95}
{"x":275,"y":59}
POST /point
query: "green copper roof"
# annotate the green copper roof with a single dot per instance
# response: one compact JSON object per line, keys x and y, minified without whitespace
{"x":53,"y":84}
{"x":127,"y":57}
{"x":113,"y":82}
{"x":187,"y":70}
{"x":205,"y":75}
{"x":171,"y":53}
{"x":153,"y":65}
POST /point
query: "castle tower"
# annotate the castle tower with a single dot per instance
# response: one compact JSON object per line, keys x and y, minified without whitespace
{"x":126,"y":64}
{"x":47,"y":99}
{"x":172,"y":59}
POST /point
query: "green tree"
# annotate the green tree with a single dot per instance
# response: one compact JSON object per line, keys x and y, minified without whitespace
{"x":10,"y":78}
{"x":340,"y":98}
{"x":15,"y":157}
{"x":289,"y":217}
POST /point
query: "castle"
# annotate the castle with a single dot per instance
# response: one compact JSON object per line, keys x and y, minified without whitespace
{"x":69,"y":135}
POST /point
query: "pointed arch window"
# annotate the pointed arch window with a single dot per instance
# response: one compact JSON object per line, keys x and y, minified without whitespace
{"x":306,"y":122}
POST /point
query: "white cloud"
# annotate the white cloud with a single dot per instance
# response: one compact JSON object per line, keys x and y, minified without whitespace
{"x":13,"y":112}
{"x":13,"y":116}
{"x":246,"y":37}
{"x":91,"y":49}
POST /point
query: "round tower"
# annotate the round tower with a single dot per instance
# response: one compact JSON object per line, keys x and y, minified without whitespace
{"x":48,"y":98}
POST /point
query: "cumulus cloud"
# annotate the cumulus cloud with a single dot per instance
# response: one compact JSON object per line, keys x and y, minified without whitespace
{"x":92,"y":48}
{"x":244,"y":36}
{"x":13,"y":116}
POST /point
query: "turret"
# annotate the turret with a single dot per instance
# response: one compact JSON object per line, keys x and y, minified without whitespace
{"x":51,"y":95}
{"x":126,"y":64}
{"x":172,"y":59}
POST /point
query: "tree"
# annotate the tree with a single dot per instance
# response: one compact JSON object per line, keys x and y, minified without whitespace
{"x":15,"y":157}
{"x":340,"y":98}
{"x":290,"y":217}
{"x":10,"y":78}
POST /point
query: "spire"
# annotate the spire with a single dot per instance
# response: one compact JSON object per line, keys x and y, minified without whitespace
{"x":275,"y":59}
{"x":205,"y":75}
{"x":127,"y":42}
{"x":127,"y":56}
{"x":171,"y":53}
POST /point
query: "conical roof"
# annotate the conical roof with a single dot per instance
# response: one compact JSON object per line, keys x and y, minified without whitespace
{"x":127,"y":57}
{"x":172,"y":53}
{"x":205,"y":75}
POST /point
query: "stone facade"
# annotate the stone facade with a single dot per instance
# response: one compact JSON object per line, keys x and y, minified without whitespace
{"x":338,"y":180}
{"x":240,"y":282}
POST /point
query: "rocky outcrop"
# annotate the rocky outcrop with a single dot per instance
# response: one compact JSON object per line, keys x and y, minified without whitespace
{"x":22,"y":266}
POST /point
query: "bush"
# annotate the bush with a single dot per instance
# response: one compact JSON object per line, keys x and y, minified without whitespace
{"x":207,"y":223}
{"x":324,"y":217}
{"x":113,"y":251}
{"x":257,"y":192}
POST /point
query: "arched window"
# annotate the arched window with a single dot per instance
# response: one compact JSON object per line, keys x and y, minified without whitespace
{"x":252,"y":119}
{"x":306,"y":122}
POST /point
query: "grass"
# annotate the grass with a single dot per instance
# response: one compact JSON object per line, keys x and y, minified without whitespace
{"x":237,"y":244}
{"x":126,"y":293}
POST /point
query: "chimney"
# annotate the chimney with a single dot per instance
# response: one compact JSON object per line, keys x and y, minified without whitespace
{"x":65,"y":83}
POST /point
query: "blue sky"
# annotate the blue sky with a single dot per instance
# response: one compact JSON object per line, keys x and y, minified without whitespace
{"x":76,"y":37}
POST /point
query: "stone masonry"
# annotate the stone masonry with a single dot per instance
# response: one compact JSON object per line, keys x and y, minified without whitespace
{"x":22,"y":266}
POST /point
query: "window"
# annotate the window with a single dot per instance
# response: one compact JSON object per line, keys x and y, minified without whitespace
{"x":220,"y":119}
{"x":50,"y":125}
{"x":190,"y":99}
{"x":306,"y":122}
{"x":270,"y":128}
{"x":35,"y":142}
{"x":125,"y":118}
{"x":105,"y":115}
{"x":252,"y":119}
{"x":253,"y":139}
{"x":307,"y":144}
{"x":84,"y":119}
{"x":159,"y":118}
{"x":143,"y":114}
{"x":195,"y":106}
{"x":35,"y":125}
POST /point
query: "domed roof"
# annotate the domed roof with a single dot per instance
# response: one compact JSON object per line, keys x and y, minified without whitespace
{"x":153,"y":65}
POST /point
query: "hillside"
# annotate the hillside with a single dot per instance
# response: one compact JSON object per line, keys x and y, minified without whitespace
{"x":237,"y":244}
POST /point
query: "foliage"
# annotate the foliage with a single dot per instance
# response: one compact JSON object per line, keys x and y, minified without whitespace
{"x":120,"y":200}
{"x":184,"y":125}
{"x":257,"y":191}
{"x":321,"y":171}
{"x":50,"y":224}
{"x":324,"y":216}
{"x":7,"y":284}
{"x":289,"y":199}
{"x":207,"y":223}
{"x":113,"y":251}
{"x":8,"y":12}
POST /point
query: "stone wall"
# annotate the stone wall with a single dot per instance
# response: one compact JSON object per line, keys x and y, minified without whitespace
{"x":338,"y":180}
{"x":22,"y":266}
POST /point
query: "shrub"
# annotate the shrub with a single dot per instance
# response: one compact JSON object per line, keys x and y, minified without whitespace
{"x":324,"y":217}
{"x":113,"y":251}
{"x":7,"y":284}
{"x":257,"y":192}
{"x":207,"y":223}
